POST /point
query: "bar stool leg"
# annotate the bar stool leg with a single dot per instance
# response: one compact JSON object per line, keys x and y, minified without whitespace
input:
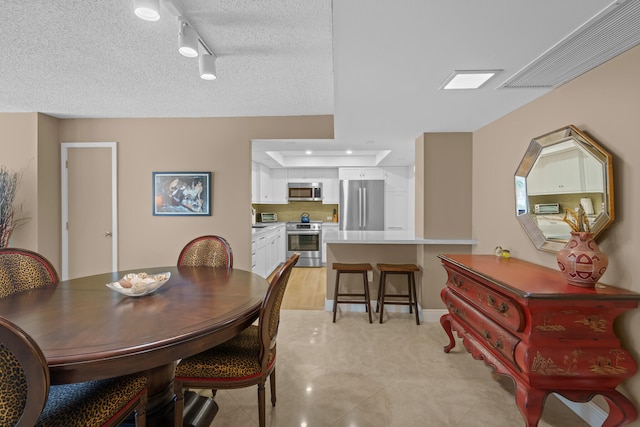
{"x":413,"y":290}
{"x":381,"y":291}
{"x":335,"y":296}
{"x":366,"y":295}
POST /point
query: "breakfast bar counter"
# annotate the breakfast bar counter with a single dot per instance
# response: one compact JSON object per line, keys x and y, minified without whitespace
{"x":390,"y":237}
{"x":391,"y":247}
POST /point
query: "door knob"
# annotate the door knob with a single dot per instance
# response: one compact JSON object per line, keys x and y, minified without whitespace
{"x":107,"y":234}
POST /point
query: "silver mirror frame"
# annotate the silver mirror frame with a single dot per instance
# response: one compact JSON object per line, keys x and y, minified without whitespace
{"x":531,"y":155}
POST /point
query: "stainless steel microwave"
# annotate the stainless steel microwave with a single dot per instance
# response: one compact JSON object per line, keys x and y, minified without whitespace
{"x":304,"y":191}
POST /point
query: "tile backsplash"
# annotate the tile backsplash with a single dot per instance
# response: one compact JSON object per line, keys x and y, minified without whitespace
{"x":291,"y":212}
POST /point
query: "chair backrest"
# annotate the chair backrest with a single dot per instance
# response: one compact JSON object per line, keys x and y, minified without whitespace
{"x":24,"y":377}
{"x":209,"y":251}
{"x":270,"y":311}
{"x":22,"y":269}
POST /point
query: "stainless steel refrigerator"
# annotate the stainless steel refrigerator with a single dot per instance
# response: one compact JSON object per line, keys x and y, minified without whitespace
{"x":361,"y":205}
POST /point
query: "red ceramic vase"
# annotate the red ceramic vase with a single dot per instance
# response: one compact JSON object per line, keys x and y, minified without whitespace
{"x":581,"y":260}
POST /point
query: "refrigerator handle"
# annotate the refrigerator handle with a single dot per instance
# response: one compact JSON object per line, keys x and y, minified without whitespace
{"x":364,"y":208}
{"x":359,"y":207}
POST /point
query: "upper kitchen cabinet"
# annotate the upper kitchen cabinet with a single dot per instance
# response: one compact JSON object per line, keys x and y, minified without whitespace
{"x":279,"y":185}
{"x":398,"y":198}
{"x":268,"y":185}
{"x":305,"y":174}
{"x":330,"y":187}
{"x":361,"y":173}
{"x":566,"y":169}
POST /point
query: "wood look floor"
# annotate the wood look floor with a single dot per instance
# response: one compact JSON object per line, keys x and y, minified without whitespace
{"x":306,"y":289}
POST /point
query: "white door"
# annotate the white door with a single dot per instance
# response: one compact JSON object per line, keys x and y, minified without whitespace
{"x":89,"y":209}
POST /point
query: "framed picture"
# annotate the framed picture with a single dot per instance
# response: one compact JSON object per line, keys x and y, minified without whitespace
{"x":182,"y":193}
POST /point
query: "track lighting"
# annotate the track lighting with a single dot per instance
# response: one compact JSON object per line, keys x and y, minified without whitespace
{"x":187,"y":40}
{"x":207,"y":66}
{"x":149,"y":10}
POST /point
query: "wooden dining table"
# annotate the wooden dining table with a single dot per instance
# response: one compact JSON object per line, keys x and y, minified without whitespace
{"x":88,"y":331}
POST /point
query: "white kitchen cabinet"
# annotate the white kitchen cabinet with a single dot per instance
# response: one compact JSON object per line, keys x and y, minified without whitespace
{"x":279,"y":186}
{"x":255,"y":182}
{"x":330,"y":187}
{"x":327,"y":227}
{"x":269,"y":250}
{"x":265,"y":184}
{"x":361,"y":173}
{"x":398,"y":194}
{"x":568,"y":171}
{"x":305,"y":174}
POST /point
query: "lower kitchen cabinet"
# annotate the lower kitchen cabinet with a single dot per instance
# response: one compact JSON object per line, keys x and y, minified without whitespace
{"x":268,"y":250}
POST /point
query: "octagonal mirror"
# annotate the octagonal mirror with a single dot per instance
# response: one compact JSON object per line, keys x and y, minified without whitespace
{"x":564,"y":169}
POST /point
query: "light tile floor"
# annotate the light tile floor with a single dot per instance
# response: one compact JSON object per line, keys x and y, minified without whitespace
{"x":356,"y":374}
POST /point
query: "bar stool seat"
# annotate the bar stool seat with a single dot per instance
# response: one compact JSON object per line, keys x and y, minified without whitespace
{"x":344,"y":268}
{"x":411,"y":296}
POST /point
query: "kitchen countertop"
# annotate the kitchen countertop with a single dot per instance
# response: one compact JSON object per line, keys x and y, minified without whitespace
{"x":387,"y":237}
{"x":268,"y":226}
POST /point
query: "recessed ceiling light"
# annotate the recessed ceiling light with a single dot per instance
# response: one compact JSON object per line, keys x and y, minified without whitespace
{"x":349,"y":152}
{"x":308,"y":152}
{"x":468,"y":79}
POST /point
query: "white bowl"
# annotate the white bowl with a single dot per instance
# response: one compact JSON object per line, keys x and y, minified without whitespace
{"x":139,"y":284}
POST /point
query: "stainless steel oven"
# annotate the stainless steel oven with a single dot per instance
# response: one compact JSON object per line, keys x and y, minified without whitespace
{"x":305,"y":238}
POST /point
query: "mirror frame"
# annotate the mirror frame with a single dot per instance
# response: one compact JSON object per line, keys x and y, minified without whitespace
{"x":526,"y":165}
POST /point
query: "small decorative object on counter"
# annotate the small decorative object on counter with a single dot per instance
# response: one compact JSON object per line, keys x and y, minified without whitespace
{"x":335,"y":216}
{"x":506,"y":253}
{"x":498,"y":251}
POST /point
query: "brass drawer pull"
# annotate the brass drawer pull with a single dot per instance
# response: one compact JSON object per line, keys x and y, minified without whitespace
{"x":456,"y":282}
{"x":503,"y":308}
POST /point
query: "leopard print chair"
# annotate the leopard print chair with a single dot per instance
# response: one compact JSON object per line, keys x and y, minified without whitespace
{"x":27,"y":399}
{"x":245,"y":360}
{"x":209,"y":251}
{"x":21,"y":269}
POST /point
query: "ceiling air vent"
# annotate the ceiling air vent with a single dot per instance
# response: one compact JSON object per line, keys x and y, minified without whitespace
{"x":611,"y":32}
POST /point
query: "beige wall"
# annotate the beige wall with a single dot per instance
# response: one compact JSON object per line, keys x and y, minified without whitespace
{"x":606,"y":104}
{"x":219,"y":145}
{"x":19,"y":147}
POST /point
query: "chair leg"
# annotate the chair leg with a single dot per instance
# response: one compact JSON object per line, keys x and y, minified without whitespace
{"x":335,"y":296}
{"x":141,"y":411}
{"x":272,"y":383}
{"x":178,"y":407}
{"x":367,"y":298}
{"x":261,"y":411}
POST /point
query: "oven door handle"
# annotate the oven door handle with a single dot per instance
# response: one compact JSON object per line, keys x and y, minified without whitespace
{"x":303,"y":233}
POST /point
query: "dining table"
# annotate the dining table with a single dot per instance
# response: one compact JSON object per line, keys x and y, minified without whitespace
{"x":88,"y":331}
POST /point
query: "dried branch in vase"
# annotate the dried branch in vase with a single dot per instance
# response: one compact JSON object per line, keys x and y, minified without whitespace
{"x":578,"y":221}
{"x":9,"y":183}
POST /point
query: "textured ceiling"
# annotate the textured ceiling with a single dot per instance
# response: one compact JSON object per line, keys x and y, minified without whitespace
{"x":375,"y":65}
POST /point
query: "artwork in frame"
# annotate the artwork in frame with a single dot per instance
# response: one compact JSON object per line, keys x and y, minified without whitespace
{"x":182,"y":193}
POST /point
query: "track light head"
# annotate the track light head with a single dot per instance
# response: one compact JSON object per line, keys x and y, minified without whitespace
{"x":207,"y":66}
{"x":187,"y":40}
{"x":149,"y":10}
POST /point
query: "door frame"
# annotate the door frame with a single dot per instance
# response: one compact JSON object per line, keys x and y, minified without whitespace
{"x":65,"y":146}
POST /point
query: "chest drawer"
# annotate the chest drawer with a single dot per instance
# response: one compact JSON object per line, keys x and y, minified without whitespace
{"x":496,"y":337}
{"x":499,"y":307}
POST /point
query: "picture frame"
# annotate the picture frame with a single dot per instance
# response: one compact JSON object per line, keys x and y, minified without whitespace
{"x":181,"y":193}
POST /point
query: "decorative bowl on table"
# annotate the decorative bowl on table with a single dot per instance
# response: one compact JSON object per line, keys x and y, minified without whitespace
{"x":139,"y":284}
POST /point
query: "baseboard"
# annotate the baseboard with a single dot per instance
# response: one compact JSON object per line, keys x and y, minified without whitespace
{"x":591,"y":413}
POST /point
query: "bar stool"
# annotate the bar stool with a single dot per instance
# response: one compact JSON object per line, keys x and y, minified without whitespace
{"x":412,"y":295}
{"x":342,"y":268}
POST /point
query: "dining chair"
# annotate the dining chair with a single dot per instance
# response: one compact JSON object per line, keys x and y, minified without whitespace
{"x":29,"y":400}
{"x":22,"y":269}
{"x":210,"y":251}
{"x":245,"y":360}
